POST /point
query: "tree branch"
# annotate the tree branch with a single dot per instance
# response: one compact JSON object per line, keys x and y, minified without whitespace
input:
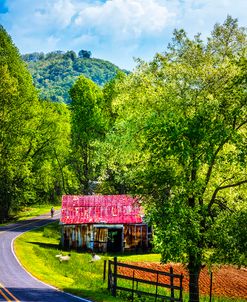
{"x":210,"y":168}
{"x":209,"y":172}
{"x":212,"y":201}
{"x":242,"y":124}
{"x":223,"y":205}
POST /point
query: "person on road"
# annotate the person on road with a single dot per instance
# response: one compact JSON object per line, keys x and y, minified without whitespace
{"x":52,"y":211}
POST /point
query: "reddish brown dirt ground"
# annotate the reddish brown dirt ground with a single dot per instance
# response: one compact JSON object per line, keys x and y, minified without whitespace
{"x":228,"y":281}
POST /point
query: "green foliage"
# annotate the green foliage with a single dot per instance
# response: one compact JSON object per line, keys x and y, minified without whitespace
{"x":34,"y":137}
{"x":180,"y":139}
{"x":52,"y":176}
{"x":232,"y":241}
{"x":18,"y":111}
{"x":55,"y":73}
{"x":88,"y":128}
{"x":84,"y":54}
{"x":86,"y":107}
{"x":112,"y":179}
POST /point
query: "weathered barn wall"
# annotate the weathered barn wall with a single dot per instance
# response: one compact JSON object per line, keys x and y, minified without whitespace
{"x":103,"y":238}
{"x":136,"y":236}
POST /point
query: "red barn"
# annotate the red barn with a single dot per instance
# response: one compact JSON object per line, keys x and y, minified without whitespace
{"x":103,"y":223}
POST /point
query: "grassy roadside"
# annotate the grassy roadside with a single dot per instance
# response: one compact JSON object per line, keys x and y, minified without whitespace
{"x":78,"y":276}
{"x":29,"y":212}
{"x":33,"y":211}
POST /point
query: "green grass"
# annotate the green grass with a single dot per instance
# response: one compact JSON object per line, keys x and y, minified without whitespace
{"x":140,"y":258}
{"x":29,"y":212}
{"x":32,"y":211}
{"x":78,"y":276}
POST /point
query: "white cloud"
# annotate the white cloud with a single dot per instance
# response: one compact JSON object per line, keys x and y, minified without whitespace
{"x":116,"y":30}
{"x":40,"y":15}
{"x":201,"y":15}
{"x":125,"y":19}
{"x":59,"y":12}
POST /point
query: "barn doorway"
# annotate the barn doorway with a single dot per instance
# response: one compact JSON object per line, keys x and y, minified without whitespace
{"x":114,"y":242}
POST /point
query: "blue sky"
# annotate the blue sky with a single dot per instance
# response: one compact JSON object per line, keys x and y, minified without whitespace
{"x":114,"y":30}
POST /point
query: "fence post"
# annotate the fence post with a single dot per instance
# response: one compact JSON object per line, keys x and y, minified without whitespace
{"x":133,"y":284}
{"x":114,"y":288}
{"x":156,"y":291}
{"x":181,"y":288}
{"x":171,"y":282}
{"x":211,"y":286}
{"x":109,"y":275}
{"x":104,"y":272}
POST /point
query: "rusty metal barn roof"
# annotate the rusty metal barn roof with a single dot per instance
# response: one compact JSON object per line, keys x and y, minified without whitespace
{"x":109,"y":209}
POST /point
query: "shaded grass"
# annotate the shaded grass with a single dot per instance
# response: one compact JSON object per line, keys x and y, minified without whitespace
{"x":78,"y":276}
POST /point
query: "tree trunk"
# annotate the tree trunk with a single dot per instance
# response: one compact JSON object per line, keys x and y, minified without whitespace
{"x":194,"y":273}
{"x":4,"y":211}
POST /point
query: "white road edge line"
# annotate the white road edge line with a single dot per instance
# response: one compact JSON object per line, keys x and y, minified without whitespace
{"x":13,"y":252}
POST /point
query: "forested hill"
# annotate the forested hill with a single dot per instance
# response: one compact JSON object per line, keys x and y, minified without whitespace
{"x":54,"y":73}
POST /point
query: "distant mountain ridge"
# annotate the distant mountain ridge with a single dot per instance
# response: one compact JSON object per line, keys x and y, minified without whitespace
{"x":54,"y":73}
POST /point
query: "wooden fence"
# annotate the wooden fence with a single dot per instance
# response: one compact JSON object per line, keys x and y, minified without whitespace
{"x":173,"y":285}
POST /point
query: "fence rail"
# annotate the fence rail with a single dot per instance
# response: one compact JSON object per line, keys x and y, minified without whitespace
{"x":176,"y":291}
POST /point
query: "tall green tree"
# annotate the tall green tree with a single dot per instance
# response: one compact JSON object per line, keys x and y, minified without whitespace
{"x":111,"y":180}
{"x":181,"y":135}
{"x":87,"y":128}
{"x":49,"y":152}
{"x":33,"y":136}
{"x":18,"y":106}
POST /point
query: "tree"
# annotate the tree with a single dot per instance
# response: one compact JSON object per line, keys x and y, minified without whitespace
{"x":49,"y":151}
{"x":33,"y":57}
{"x":85,"y":54}
{"x":56,"y":72}
{"x":70,"y":54}
{"x":86,"y":129}
{"x":19,"y":104}
{"x":182,"y":120}
{"x":111,"y":180}
{"x":33,"y":135}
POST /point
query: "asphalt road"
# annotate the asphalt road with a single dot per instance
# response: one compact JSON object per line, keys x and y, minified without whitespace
{"x":16,"y":284}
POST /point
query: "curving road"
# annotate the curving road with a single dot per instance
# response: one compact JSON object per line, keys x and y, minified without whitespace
{"x":16,"y":284}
